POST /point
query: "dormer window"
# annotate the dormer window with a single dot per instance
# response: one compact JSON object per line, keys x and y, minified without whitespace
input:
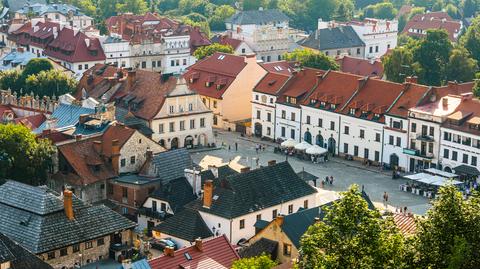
{"x":208,"y":84}
{"x":323,"y":104}
{"x":333,"y":106}
{"x":364,"y":114}
{"x":352,"y":111}
{"x":376,"y":116}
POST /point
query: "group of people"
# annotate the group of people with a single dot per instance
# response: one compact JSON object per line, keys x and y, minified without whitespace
{"x":327,"y":180}
{"x":259,"y":147}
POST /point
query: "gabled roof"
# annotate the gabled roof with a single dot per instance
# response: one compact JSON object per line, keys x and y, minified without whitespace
{"x":177,"y":192}
{"x":40,"y":9}
{"x":257,"y":17}
{"x":333,"y":38}
{"x":271,"y":83}
{"x":217,"y":253}
{"x":212,"y":69}
{"x":66,"y":115}
{"x":15,"y":5}
{"x":296,"y":224}
{"x":299,"y":84}
{"x":412,"y":95}
{"x":262,"y":246}
{"x":186,"y":224}
{"x":405,"y":223}
{"x":469,"y":115}
{"x":362,"y":67}
{"x":279,"y":67}
{"x":35,"y":218}
{"x":19,"y":257}
{"x":226,"y":40}
{"x":31,"y":122}
{"x":261,"y":188}
{"x":433,"y":20}
{"x":169,"y":165}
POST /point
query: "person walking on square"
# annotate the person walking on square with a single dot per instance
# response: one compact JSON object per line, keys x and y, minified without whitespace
{"x":385,"y":199}
{"x":236,"y":146}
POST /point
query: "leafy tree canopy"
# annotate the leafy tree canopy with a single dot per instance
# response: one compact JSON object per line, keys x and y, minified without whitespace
{"x":313,"y":59}
{"x":260,"y":262}
{"x":206,"y":51}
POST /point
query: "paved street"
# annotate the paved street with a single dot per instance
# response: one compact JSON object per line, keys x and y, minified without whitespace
{"x":344,"y":172}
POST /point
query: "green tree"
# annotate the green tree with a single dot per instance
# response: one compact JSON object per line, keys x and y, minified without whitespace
{"x":453,"y":11}
{"x":106,"y":8}
{"x":471,"y":39}
{"x":345,"y":11}
{"x":398,"y":64}
{"x":352,"y":236}
{"x":221,"y":13}
{"x":384,"y":10}
{"x":313,"y":59}
{"x":449,"y":235}
{"x":50,"y":83}
{"x":35,"y":66}
{"x":432,"y":55}
{"x":252,"y":4}
{"x":460,"y":66}
{"x":22,"y":157}
{"x":10,"y":79}
{"x":470,"y":7}
{"x":134,"y":6}
{"x":261,"y":262}
{"x":476,"y":86}
{"x":192,"y":6}
{"x":206,"y":51}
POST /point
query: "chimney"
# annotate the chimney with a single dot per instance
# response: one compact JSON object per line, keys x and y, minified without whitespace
{"x":169,"y":251}
{"x":207,"y":193}
{"x":78,"y":137}
{"x":115,"y":156}
{"x":193,"y":177}
{"x":244,"y":169}
{"x":68,"y":204}
{"x":20,"y":49}
{"x":413,"y":79}
{"x":97,"y":145}
{"x":83,"y":118}
{"x":131,"y":78}
{"x":214,"y":170}
{"x":149,"y":155}
{"x":199,"y":244}
{"x":445,"y":102}
{"x":279,"y":220}
{"x":272,"y":162}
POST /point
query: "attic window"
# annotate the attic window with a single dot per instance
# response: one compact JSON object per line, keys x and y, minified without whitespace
{"x":215,"y":197}
{"x":219,"y":86}
{"x":221,"y":57}
{"x":323,"y":104}
{"x":208,"y":84}
{"x":376,"y":116}
{"x":313,"y":101}
{"x":333,"y":106}
{"x":352,"y":111}
{"x":278,"y":68}
{"x":364,"y":114}
{"x":187,"y":256}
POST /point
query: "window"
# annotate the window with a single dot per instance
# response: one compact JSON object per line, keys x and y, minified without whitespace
{"x":163,"y":207}
{"x":160,"y":128}
{"x":88,"y":244}
{"x":172,"y":63}
{"x":271,"y":100}
{"x":63,"y":252}
{"x":424,"y":130}
{"x":192,"y":124}
{"x":390,"y":140}
{"x":290,"y":209}
{"x":446,"y":153}
{"x":214,"y":104}
{"x":51,"y":255}
{"x":376,"y":48}
{"x":274,"y":214}
{"x":243,"y":50}
{"x":355,"y":151}
{"x":370,"y":49}
{"x":377,"y":137}
{"x":269,"y":131}
{"x":123,"y":162}
{"x":80,"y":67}
{"x":292,"y":117}
{"x":292,"y":134}
{"x":431,"y":133}
{"x":377,"y":156}
{"x":345,"y":148}
{"x":332,"y":125}
{"x":259,"y":216}
{"x":399,"y":142}
{"x":76,"y":248}
{"x":454,"y":155}
{"x":124,"y":192}
{"x":154,"y":206}
{"x":182,"y":125}
{"x":465,"y":158}
{"x":287,"y":249}
{"x":177,"y":62}
{"x":269,"y":117}
{"x":346,"y":130}
{"x":320,"y":122}
{"x":283,"y":131}
{"x":242,"y":224}
{"x":474,"y":161}
{"x":358,"y":51}
{"x":308,"y":119}
{"x":284,"y":114}
{"x":132,"y":160}
{"x":414,"y":127}
{"x":144,"y":64}
{"x":184,"y":61}
{"x":154,"y":64}
{"x":171,"y":127}
{"x":447,"y":136}
{"x":256,"y":97}
{"x":258,"y":114}
{"x":366,"y":153}
{"x":171,"y":109}
{"x":362,"y":133}
{"x":305,"y":204}
{"x":101,"y":242}
{"x":202,"y":122}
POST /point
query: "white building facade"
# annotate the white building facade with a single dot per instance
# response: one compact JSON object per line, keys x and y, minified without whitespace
{"x":378,"y":35}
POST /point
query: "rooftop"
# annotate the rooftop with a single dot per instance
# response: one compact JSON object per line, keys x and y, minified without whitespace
{"x":333,"y":38}
{"x":361,"y":67}
{"x":186,"y":224}
{"x":257,"y":17}
{"x":19,"y":257}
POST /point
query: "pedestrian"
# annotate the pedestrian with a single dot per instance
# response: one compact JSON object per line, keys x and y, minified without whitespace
{"x":331,"y":180}
{"x":405,"y":210}
{"x":228,"y":147}
{"x":257,"y":160}
{"x":256,"y":148}
{"x":327,"y":181}
{"x":236,"y":146}
{"x":385,"y":199}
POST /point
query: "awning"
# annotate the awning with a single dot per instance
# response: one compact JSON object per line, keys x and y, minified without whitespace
{"x":466,"y":170}
{"x":289,"y":143}
{"x":302,"y":146}
{"x":316,"y":150}
{"x":440,"y":173}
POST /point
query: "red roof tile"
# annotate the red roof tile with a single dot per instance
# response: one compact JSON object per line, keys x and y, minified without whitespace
{"x":217,"y":253}
{"x":362,"y":67}
{"x":434,"y":20}
{"x":226,"y":40}
{"x":271,"y":83}
{"x":43,"y":33}
{"x":469,"y":112}
{"x":31,"y":122}
{"x":300,"y":83}
{"x":212,"y":69}
{"x":412,"y":95}
{"x":281,"y":67}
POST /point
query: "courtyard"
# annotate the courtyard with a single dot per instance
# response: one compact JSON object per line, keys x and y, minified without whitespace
{"x":345,"y":173}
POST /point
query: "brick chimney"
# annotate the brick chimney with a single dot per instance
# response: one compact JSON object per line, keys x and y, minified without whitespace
{"x":279,"y":220}
{"x":244,"y":169}
{"x":131,"y":78}
{"x":413,"y":79}
{"x":115,"y":156}
{"x":78,"y":137}
{"x":169,"y":251}
{"x":272,"y":162}
{"x":68,"y":204}
{"x":207,"y":193}
{"x":199,"y":244}
{"x":97,"y":145}
{"x":445,"y":102}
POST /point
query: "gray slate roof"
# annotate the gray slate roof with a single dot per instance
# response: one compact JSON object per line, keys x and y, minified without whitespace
{"x":66,"y":115}
{"x":19,"y":257}
{"x":15,"y":5}
{"x":177,"y":192}
{"x":34,"y":217}
{"x":296,"y":224}
{"x":254,"y":190}
{"x":187,"y":225}
{"x":171,"y":164}
{"x":257,"y":17}
{"x":262,"y":246}
{"x":333,"y":38}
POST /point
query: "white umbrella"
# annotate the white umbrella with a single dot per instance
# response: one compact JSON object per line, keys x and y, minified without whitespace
{"x":316,"y":150}
{"x":302,"y":146}
{"x":289,"y":143}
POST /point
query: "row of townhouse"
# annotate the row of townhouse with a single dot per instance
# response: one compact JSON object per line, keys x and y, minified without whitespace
{"x":406,"y":125}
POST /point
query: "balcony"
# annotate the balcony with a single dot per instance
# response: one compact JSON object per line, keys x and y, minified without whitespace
{"x":425,"y":137}
{"x":418,"y":153}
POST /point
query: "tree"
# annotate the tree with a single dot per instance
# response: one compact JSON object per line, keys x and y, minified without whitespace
{"x":313,"y":59}
{"x":23,"y":158}
{"x":383,"y":10}
{"x":35,"y":66}
{"x":398,"y":64}
{"x":252,"y":4}
{"x":221,"y":13}
{"x":133,"y":6}
{"x":453,"y":11}
{"x":50,"y":83}
{"x":470,"y":7}
{"x":345,"y":11}
{"x":476,"y":86}
{"x":471,"y":39}
{"x":206,"y":51}
{"x":460,"y":66}
{"x":449,"y":235}
{"x":352,"y":236}
{"x":261,"y":262}
{"x":10,"y":79}
{"x":106,"y":8}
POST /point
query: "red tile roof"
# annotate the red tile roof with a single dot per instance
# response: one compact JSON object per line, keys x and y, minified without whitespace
{"x":213,"y":69}
{"x":226,"y":40}
{"x":362,"y":67}
{"x":434,"y":20}
{"x":405,"y":223}
{"x":412,"y":96}
{"x":301,"y":83}
{"x":31,"y":122}
{"x":4,"y":109}
{"x":469,"y":114}
{"x":43,"y":33}
{"x":74,"y":46}
{"x":281,"y":67}
{"x":271,"y":83}
{"x":20,"y":36}
{"x":217,"y":253}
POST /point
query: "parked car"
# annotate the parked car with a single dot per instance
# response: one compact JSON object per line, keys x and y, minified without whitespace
{"x":161,"y":244}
